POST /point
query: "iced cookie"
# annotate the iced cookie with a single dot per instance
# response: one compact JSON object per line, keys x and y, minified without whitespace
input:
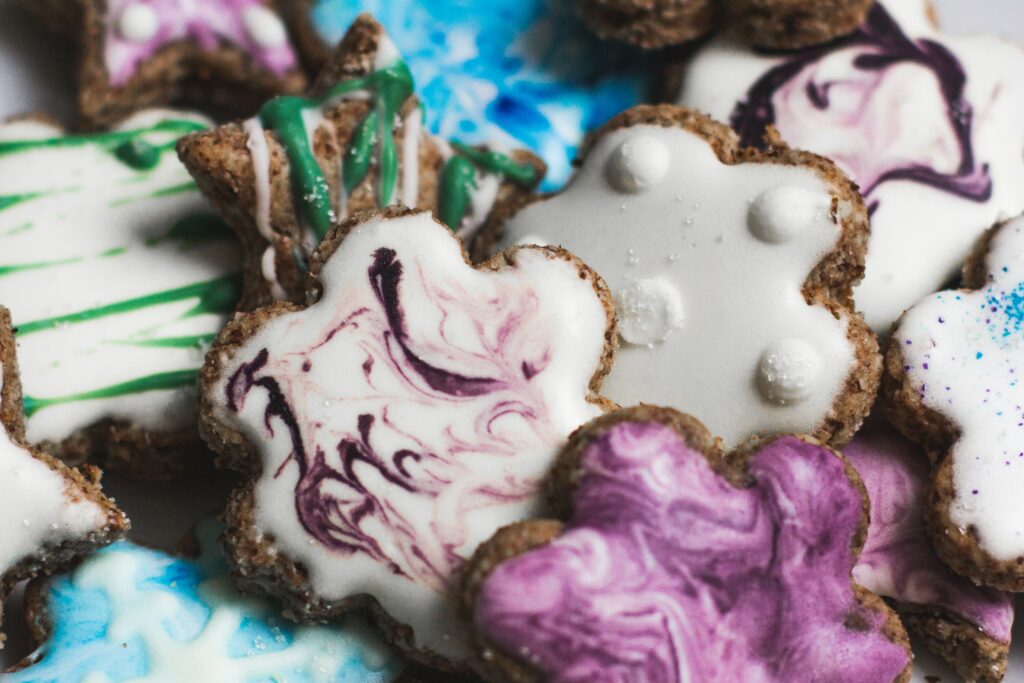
{"x":952,"y":385}
{"x":49,"y":514}
{"x":514,"y":74}
{"x":927,"y":125}
{"x":731,"y":270}
{"x":230,"y":54}
{"x":118,"y":274}
{"x":283,"y":178}
{"x":648,"y":23}
{"x":966,"y":625}
{"x":675,"y":562}
{"x":401,"y":419}
{"x":793,"y":24}
{"x":130,"y":613}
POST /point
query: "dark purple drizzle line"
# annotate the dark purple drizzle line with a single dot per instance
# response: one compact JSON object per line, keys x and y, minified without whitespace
{"x":317,"y":509}
{"x":752,"y":117}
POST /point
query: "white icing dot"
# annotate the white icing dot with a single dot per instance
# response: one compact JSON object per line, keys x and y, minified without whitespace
{"x":649,"y":310}
{"x":788,"y":371}
{"x":637,"y":163}
{"x":781,"y":213}
{"x":264,"y":27}
{"x":138,"y":23}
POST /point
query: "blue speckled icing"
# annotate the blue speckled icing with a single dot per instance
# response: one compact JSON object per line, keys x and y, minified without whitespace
{"x":133,"y":614}
{"x":521,"y":73}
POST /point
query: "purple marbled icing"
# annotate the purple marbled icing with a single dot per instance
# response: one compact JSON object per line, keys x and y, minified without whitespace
{"x":209,"y":23}
{"x":898,"y":560}
{"x":666,"y":572}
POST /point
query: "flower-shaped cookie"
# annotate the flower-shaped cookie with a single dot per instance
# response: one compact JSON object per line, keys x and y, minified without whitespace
{"x":927,"y":125}
{"x":49,"y":514}
{"x":953,"y":383}
{"x":283,"y":178}
{"x":400,"y":420}
{"x":678,"y":563}
{"x":140,"y":53}
{"x":731,"y":269}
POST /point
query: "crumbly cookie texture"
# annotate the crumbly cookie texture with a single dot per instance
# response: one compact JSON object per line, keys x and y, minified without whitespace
{"x":794,"y":24}
{"x":926,"y":124}
{"x":400,"y":419}
{"x":285,"y":177}
{"x":683,"y":563}
{"x":951,"y":385}
{"x":967,"y":625}
{"x":731,"y":268}
{"x":118,"y":275}
{"x":648,"y":23}
{"x":49,"y":514}
{"x":134,"y":54}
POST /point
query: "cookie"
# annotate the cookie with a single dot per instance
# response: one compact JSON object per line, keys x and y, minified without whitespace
{"x":951,"y":385}
{"x":731,"y":270}
{"x":927,"y":125}
{"x":967,"y":625}
{"x":49,"y":514}
{"x":134,"y":54}
{"x":283,"y":178}
{"x":118,"y":274}
{"x":131,"y":613}
{"x":676,"y":562}
{"x":648,"y":23}
{"x":401,"y":419}
{"x":795,"y":24}
{"x":519,"y":74}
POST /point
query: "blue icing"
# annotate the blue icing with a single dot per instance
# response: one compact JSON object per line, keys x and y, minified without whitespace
{"x":523,"y":73}
{"x":1010,"y":306}
{"x":129,"y":614}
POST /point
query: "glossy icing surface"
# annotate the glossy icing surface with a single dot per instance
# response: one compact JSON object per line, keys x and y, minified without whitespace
{"x":116,"y":272}
{"x":927,"y":125}
{"x":666,"y":572}
{"x":962,"y":354}
{"x":710,"y":309}
{"x":898,"y":561}
{"x":133,"y":615}
{"x":411,"y":412}
{"x":510,"y":74}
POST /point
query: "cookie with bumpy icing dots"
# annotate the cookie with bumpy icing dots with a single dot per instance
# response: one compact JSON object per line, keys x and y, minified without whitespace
{"x":517,"y":74}
{"x":401,"y":419}
{"x":731,"y":269}
{"x":648,"y":23}
{"x":967,"y":625}
{"x":49,"y":513}
{"x":675,"y":562}
{"x":952,"y":385}
{"x":793,"y":24}
{"x":128,"y":613}
{"x":926,"y":124}
{"x":118,"y":275}
{"x":229,"y":54}
{"x":283,"y":178}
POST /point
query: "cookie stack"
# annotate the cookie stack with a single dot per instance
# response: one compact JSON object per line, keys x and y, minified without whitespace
{"x":708,"y":409}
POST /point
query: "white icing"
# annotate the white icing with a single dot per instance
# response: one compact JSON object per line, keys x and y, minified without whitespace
{"x":962,"y":353}
{"x":782,"y":213}
{"x":920,"y":234}
{"x":138,"y":23}
{"x":789,"y":371}
{"x":649,"y":310}
{"x":264,"y":27}
{"x":739,"y":293}
{"x":484,"y":455}
{"x":260,"y":153}
{"x":637,"y":164}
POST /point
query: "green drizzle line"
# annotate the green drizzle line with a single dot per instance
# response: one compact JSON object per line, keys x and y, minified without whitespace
{"x":196,"y":341}
{"x":215,"y":296}
{"x":39,"y":265}
{"x":160,"y":382}
{"x":198,"y":228}
{"x":9,"y":200}
{"x":458,"y":179}
{"x":389,"y":88}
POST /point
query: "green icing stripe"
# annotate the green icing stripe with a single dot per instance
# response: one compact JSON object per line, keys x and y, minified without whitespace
{"x":458,"y":179}
{"x":164,"y":381}
{"x":215,"y":296}
{"x":197,"y":341}
{"x":40,"y":265}
{"x":389,"y":88}
{"x":9,"y":200}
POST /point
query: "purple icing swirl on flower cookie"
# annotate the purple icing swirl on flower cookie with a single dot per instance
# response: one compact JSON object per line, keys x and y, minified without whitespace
{"x":667,"y":572}
{"x":848,"y":99}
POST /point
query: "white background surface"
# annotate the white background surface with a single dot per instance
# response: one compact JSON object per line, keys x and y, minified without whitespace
{"x":36,"y":76}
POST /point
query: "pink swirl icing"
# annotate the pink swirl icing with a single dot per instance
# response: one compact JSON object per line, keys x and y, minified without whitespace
{"x":898,"y":560}
{"x":207,"y":22}
{"x":667,"y":572}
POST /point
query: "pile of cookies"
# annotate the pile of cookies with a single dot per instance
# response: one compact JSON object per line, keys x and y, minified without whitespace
{"x":737,"y":398}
